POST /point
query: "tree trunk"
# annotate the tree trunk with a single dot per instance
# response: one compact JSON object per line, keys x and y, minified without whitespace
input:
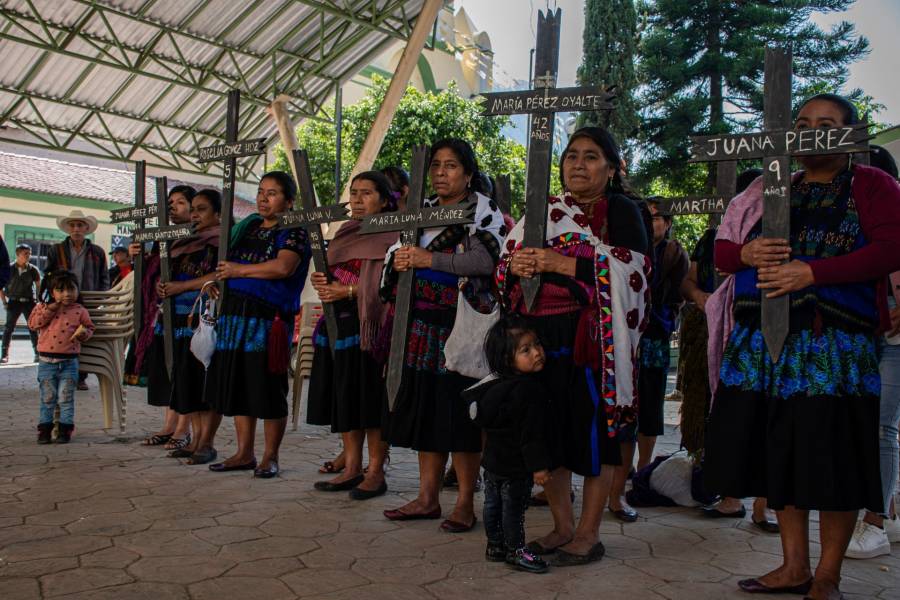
{"x":716,"y":102}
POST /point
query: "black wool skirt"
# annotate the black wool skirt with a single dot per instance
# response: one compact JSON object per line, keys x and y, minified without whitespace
{"x":810,"y":452}
{"x":159,"y":386}
{"x":239,"y":381}
{"x":188,"y":373}
{"x":430,"y":414}
{"x":346,"y":390}
{"x":581,"y":440}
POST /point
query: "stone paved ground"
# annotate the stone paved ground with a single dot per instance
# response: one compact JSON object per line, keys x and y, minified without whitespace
{"x":106,"y":518}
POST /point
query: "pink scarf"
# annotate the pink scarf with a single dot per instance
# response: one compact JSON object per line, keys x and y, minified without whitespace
{"x":744,"y":211}
{"x":349,"y":244}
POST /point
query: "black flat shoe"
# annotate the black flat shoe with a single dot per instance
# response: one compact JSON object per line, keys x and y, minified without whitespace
{"x":181,"y":453}
{"x":222,"y":467}
{"x":343,"y":486}
{"x":767,"y":526}
{"x":714,"y":513}
{"x":267,"y":473}
{"x":626,"y":515}
{"x":358,"y":494}
{"x":567,"y":559}
{"x":753,"y":586}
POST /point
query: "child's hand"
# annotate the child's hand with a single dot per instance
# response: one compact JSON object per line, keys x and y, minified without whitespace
{"x":79,"y":334}
{"x":54,"y":306}
{"x":542,"y":477}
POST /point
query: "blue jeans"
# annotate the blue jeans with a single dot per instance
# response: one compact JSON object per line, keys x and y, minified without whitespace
{"x":57,"y":381}
{"x":505,"y":502}
{"x":890,"y":421}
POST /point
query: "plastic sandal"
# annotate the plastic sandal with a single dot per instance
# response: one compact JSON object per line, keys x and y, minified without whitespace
{"x":157,"y":439}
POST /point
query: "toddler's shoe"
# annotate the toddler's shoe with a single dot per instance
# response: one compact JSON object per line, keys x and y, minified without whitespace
{"x":44,"y":431}
{"x":495,"y":552}
{"x":524,"y":560}
{"x":65,"y":433}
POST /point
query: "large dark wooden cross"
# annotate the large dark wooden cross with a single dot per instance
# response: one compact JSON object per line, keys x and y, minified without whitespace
{"x":164,"y":234}
{"x":541,"y":103}
{"x":311,"y":217}
{"x":137,"y":215}
{"x":229,"y":152}
{"x":410,"y":224}
{"x":775,"y":145}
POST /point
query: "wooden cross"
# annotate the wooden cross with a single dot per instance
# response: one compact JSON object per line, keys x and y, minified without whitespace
{"x":775,"y":145}
{"x":410,"y":224}
{"x":311,"y":217}
{"x":164,"y":234}
{"x":542,"y":103}
{"x":229,"y":152}
{"x":137,"y":215}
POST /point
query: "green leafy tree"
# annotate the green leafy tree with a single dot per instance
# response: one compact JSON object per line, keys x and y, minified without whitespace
{"x":421,"y":118}
{"x":610,"y":50}
{"x":701,"y":69}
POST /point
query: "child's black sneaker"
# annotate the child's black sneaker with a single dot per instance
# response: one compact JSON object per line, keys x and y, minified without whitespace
{"x":524,"y":560}
{"x":495,"y":552}
{"x":44,"y":431}
{"x":65,"y":433}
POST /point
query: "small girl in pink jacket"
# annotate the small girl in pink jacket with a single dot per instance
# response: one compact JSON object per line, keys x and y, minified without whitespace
{"x":62,"y":325}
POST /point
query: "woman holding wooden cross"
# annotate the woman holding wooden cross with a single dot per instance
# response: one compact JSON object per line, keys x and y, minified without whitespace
{"x":346,"y":389}
{"x":803,"y":430}
{"x":591,"y":303}
{"x":430,"y":415}
{"x":265,"y":273}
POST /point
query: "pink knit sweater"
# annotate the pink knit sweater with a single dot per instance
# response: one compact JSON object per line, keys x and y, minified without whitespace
{"x":56,"y":328}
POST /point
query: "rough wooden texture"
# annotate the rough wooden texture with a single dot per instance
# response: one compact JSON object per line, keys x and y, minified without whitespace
{"x":776,"y":220}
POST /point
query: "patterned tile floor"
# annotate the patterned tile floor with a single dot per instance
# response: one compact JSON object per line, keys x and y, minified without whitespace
{"x":106,"y":518}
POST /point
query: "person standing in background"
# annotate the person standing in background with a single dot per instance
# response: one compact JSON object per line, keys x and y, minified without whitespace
{"x":121,"y":265}
{"x":18,"y":297}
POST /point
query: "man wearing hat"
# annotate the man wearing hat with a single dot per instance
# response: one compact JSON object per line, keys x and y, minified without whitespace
{"x":78,"y":255}
{"x":670,"y":266}
{"x":19,"y":298}
{"x":121,"y":265}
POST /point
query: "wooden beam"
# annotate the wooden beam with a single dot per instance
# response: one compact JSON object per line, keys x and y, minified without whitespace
{"x":278,"y":111}
{"x":397,"y":88}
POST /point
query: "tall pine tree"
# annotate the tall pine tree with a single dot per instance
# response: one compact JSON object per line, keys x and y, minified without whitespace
{"x":610,"y":48}
{"x":702,"y":70}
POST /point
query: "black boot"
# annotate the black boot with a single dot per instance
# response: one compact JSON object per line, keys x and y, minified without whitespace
{"x":44,"y":431}
{"x":65,"y":433}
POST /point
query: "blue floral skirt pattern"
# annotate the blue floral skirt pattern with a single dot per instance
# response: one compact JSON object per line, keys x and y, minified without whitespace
{"x":832,"y":363}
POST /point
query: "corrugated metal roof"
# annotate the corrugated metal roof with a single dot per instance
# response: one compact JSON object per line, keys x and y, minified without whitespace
{"x":61,"y":178}
{"x":146,"y":79}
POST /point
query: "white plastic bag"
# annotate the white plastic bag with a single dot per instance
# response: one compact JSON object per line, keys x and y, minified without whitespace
{"x":203,"y":342}
{"x":464,"y":349}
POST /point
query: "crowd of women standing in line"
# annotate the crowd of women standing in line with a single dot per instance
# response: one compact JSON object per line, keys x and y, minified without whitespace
{"x":801,"y":432}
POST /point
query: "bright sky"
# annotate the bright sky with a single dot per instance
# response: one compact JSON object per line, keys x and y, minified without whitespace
{"x":510,"y":24}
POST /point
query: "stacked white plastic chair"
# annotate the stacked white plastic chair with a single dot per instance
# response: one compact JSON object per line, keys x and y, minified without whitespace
{"x":302,"y":358}
{"x":112,"y":312}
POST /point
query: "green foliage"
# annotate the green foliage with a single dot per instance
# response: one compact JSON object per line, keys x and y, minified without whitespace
{"x":686,"y":229}
{"x":610,"y":51}
{"x":421,"y":118}
{"x":701,"y":68}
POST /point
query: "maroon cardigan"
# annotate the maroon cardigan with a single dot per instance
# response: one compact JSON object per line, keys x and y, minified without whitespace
{"x":877,"y":198}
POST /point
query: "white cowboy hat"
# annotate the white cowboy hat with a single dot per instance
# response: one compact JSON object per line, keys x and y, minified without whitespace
{"x":77,"y":215}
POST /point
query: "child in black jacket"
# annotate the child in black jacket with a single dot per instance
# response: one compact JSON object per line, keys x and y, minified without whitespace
{"x":512,"y":411}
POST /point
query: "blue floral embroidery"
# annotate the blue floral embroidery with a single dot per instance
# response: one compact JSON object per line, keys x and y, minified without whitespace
{"x":654,"y":353}
{"x":242,"y":334}
{"x":835,"y":363}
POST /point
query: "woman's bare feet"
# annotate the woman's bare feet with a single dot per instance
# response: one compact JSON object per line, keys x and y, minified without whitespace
{"x":824,"y":590}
